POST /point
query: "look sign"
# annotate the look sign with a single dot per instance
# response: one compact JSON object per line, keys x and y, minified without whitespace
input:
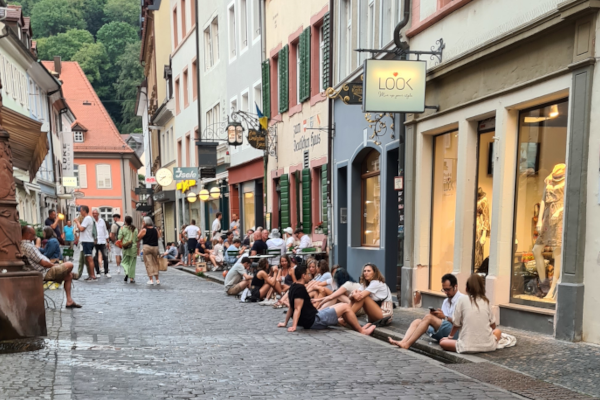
{"x":394,"y":86}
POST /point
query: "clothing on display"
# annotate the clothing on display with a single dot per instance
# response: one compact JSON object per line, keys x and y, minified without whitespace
{"x":483,"y":227}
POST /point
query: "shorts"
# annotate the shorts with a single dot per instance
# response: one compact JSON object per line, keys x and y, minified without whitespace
{"x":169,"y":257}
{"x":88,"y":248}
{"x":441,"y":333}
{"x":57,"y":273}
{"x":191,"y":245}
{"x":235,"y":289}
{"x":117,"y":251}
{"x":325,"y":318}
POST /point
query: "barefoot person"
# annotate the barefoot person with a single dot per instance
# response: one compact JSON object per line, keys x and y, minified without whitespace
{"x":474,"y":317}
{"x":437,"y":323}
{"x":303,"y":313}
{"x":374,"y":296}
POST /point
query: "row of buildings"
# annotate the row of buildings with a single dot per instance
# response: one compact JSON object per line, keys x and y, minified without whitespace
{"x":67,"y":151}
{"x":496,"y":176}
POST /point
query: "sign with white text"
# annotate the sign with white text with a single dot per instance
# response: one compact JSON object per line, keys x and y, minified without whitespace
{"x":151,"y":180}
{"x":394,"y":86}
{"x":69,"y":181}
{"x":66,"y":157}
{"x":185,"y":173}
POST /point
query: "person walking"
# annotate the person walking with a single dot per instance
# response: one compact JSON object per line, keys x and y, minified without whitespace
{"x":149,"y":236}
{"x":191,"y":233}
{"x":129,"y":243}
{"x":101,"y":244}
{"x":88,"y":235}
{"x":114,"y":235}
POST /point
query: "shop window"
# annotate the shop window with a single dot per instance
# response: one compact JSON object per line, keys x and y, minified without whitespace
{"x":483,"y":201}
{"x":371,"y":199}
{"x":249,"y":215}
{"x":445,"y":157}
{"x":539,"y":203}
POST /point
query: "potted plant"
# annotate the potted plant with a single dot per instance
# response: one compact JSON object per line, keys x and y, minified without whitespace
{"x":319,"y":228}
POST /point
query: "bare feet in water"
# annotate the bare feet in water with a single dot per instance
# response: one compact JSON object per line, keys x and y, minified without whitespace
{"x":398,"y":343}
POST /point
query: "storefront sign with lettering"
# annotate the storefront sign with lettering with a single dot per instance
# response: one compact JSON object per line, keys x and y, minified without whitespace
{"x":257,"y":139}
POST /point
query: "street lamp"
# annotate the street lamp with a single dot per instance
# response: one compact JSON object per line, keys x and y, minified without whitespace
{"x":215,"y":193}
{"x":192,"y":197}
{"x":235,"y":134}
{"x":204,"y":195}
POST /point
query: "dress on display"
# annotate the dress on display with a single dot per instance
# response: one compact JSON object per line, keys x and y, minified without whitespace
{"x":552,"y":219}
{"x":483,"y":227}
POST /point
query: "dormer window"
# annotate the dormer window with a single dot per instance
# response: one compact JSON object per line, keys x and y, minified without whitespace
{"x":78,"y":136}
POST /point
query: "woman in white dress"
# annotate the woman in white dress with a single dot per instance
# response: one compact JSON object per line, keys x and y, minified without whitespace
{"x":473,"y":316}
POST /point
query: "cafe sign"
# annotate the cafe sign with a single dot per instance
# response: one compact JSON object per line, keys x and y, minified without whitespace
{"x":257,"y":139}
{"x":394,"y":86}
{"x":185,"y":173}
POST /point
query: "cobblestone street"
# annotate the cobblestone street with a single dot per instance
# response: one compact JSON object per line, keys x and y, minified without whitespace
{"x":186,"y":339}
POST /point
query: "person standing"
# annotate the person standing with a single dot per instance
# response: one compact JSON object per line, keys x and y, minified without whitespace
{"x":305,"y":241}
{"x":101,"y":243}
{"x":276,"y":242}
{"x":87,"y":236}
{"x":52,"y":221}
{"x":128,"y":237}
{"x":149,"y":236}
{"x":289,"y":237}
{"x":69,"y":235}
{"x":114,"y":235}
{"x":191,"y":233}
{"x":235,"y":225}
{"x":216,"y":225}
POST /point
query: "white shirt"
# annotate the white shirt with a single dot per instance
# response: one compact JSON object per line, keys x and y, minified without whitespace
{"x":192,"y":231}
{"x":305,"y":242}
{"x":102,"y":231}
{"x":87,"y":235}
{"x":276,"y":243}
{"x":450,"y":304}
{"x":216,"y":226}
{"x":474,"y":320}
{"x":379,"y":291}
{"x":289,"y":242}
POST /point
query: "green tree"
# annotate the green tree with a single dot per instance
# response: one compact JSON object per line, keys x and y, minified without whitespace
{"x":50,"y":17}
{"x":64,"y":44}
{"x":93,"y":14}
{"x":26,"y":5}
{"x":127,"y":11}
{"x":115,"y":36}
{"x":131,"y":74}
{"x":93,"y":61}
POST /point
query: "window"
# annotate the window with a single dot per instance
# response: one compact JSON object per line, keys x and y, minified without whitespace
{"x":103,"y":177}
{"x":387,"y":23}
{"x":168,"y":74}
{"x":106,"y":214}
{"x":78,"y":136}
{"x":366,"y":27}
{"x":243,"y":24}
{"x":179,"y":153}
{"x":183,"y":17}
{"x":371,"y":198}
{"x":175,"y":29}
{"x":256,"y":19}
{"x":188,"y":151}
{"x":244,"y":105}
{"x":539,"y":203}
{"x":258,"y":95}
{"x":232,"y":32}
{"x":345,"y":55}
{"x":194,"y":79}
{"x":211,"y":44}
{"x":193,"y":12}
{"x":233,"y":106}
{"x":186,"y":98}
{"x":445,"y":159}
{"x":177,"y":105}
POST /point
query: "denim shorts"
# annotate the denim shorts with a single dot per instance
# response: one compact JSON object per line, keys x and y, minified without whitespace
{"x":443,"y":332}
{"x":88,"y":248}
{"x":324,"y":318}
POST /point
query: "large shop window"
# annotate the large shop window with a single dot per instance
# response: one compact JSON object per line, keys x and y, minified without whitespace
{"x":249,"y":214}
{"x":539,"y":202}
{"x":483,"y":201}
{"x":371,"y":194}
{"x":445,"y":157}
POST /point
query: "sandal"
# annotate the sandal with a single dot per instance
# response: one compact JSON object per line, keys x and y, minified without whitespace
{"x":74,"y":305}
{"x":278,"y":305}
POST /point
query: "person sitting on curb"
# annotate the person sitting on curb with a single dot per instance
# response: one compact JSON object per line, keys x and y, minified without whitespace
{"x":437,"y":323}
{"x":303,"y":313}
{"x":237,"y":279}
{"x":262,"y":282}
{"x":235,"y":246}
{"x":50,"y":272}
{"x":171,"y":254}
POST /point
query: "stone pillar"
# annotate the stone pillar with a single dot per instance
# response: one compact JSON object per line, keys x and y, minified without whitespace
{"x":409,"y":267}
{"x":22,"y":312}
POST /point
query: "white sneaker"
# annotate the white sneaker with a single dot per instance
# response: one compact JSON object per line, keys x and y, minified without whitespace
{"x":108,"y":276}
{"x":150,"y":283}
{"x":118,"y":270}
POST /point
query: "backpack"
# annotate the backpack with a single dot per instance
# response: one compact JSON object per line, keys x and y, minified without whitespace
{"x":118,"y":230}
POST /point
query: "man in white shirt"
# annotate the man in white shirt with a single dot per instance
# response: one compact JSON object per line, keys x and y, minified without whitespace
{"x":101,"y":244}
{"x":289,"y":242}
{"x":235,"y":225}
{"x":87,"y":236}
{"x":304,"y":239}
{"x":437,"y":323}
{"x":191,"y":232}
{"x":216,"y":225}
{"x":275,"y":242}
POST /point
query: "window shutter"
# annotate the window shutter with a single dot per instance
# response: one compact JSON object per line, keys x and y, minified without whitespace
{"x":284,"y":184}
{"x":326,"y":51}
{"x":103,"y":178}
{"x":83,"y":176}
{"x":305,"y":65}
{"x":284,"y":97}
{"x":266,"y":89}
{"x":324,"y":197}
{"x":306,"y":202}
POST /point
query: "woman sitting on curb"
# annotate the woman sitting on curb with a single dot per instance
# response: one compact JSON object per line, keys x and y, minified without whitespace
{"x":374,"y":296}
{"x":343,"y":285}
{"x":321,"y":286}
{"x":473,"y":316}
{"x":262,"y":282}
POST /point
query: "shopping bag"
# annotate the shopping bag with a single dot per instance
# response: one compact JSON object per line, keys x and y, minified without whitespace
{"x":163,"y":264}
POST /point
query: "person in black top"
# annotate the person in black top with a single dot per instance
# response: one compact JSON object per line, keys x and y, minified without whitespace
{"x":260,"y":244}
{"x":52,"y":222}
{"x":149,"y":236}
{"x":262,"y":282}
{"x":307,"y":316}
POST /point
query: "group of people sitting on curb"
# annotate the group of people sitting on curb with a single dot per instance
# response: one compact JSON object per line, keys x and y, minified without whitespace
{"x":317,"y":298}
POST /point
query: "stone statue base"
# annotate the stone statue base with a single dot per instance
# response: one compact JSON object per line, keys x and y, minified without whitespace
{"x":22,"y":311}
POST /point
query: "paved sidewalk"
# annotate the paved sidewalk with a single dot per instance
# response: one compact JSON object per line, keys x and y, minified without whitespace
{"x":187,"y":339}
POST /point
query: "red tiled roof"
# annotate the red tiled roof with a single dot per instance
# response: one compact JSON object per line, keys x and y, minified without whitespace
{"x":102,"y":135}
{"x":13,"y":13}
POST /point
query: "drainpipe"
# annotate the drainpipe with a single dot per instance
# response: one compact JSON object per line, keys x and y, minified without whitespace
{"x":405,"y":18}
{"x":330,"y":133}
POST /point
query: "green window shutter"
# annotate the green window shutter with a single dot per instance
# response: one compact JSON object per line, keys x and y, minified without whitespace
{"x":284,"y":97}
{"x":284,"y":184}
{"x":326,"y":51}
{"x":324,"y":197}
{"x":266,"y":89}
{"x":305,"y":65}
{"x":306,"y":202}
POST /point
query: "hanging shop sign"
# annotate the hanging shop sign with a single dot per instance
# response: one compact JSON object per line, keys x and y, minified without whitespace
{"x":207,"y":173}
{"x":144,"y":191}
{"x":67,"y":154}
{"x":164,"y":196}
{"x":394,"y":86}
{"x":185,"y":173}
{"x":143,"y":208}
{"x":68,"y":181}
{"x":151,"y":180}
{"x":78,"y":194}
{"x":207,"y":154}
{"x":257,"y":139}
{"x":186,"y":185}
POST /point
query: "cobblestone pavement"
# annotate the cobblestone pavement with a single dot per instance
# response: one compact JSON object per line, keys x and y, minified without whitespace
{"x":186,"y":339}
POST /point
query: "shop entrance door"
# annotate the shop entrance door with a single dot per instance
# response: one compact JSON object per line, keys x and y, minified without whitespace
{"x":342,"y":217}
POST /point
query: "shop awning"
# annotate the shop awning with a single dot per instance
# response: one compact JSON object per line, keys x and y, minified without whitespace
{"x":29,"y":144}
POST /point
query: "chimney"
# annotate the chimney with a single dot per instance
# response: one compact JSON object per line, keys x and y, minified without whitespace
{"x":57,"y":65}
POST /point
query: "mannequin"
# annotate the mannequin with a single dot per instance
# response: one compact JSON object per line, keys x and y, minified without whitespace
{"x":550,"y":226}
{"x":483,"y":226}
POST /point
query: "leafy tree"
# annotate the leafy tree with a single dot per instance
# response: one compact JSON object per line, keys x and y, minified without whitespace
{"x":50,"y":17}
{"x":93,"y":14}
{"x":130,"y":75}
{"x":93,"y":61}
{"x":26,"y":5}
{"x":115,"y":36}
{"x":64,"y":44}
{"x":127,"y":11}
